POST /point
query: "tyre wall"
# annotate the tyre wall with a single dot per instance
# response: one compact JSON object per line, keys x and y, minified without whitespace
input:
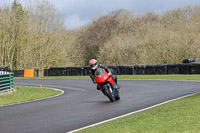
{"x":186,"y":68}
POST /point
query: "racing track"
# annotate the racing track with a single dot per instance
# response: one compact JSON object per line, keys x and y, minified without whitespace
{"x":82,"y":104}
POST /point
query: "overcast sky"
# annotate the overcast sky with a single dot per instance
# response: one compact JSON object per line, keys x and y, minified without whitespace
{"x":80,"y":12}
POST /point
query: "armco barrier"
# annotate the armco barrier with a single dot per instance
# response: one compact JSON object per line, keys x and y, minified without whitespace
{"x":6,"y":81}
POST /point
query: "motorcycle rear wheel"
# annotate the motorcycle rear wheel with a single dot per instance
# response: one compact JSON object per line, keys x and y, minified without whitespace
{"x":117,"y":97}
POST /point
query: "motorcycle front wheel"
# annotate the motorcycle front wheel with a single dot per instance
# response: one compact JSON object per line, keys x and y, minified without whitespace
{"x":108,"y":92}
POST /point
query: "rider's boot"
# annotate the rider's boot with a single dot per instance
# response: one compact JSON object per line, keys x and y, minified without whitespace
{"x":98,"y":87}
{"x":116,"y":90}
{"x":118,"y":87}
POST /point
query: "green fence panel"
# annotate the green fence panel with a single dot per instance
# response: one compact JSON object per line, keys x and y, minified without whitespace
{"x":6,"y":82}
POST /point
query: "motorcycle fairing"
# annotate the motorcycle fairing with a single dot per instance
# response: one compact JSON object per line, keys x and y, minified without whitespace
{"x":103,"y":77}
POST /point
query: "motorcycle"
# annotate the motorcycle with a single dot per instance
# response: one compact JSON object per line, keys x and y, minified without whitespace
{"x":106,"y":83}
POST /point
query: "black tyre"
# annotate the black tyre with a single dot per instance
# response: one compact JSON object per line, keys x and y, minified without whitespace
{"x":109,"y":94}
{"x":117,"y":96}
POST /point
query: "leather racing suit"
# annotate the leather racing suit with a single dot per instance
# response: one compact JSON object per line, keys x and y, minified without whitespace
{"x":108,"y":70}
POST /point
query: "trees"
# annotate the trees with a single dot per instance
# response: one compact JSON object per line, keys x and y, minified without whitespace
{"x":100,"y":31}
{"x":36,"y":37}
{"x":164,"y":39}
{"x":11,"y":34}
{"x":45,"y":35}
{"x":30,"y":37}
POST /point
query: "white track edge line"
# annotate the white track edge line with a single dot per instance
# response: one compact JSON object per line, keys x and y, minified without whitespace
{"x":130,"y":113}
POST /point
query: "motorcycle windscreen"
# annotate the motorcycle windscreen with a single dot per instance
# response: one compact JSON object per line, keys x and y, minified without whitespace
{"x":101,"y":75}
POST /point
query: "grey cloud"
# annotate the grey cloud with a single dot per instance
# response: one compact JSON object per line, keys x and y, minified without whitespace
{"x":92,"y":8}
{"x":79,"y":12}
{"x":88,"y":9}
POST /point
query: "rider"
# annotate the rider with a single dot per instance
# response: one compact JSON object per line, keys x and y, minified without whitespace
{"x":94,"y":65}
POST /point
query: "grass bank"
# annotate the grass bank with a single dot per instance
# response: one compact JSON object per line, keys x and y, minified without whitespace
{"x":24,"y":94}
{"x":180,"y":116}
{"x":161,"y":77}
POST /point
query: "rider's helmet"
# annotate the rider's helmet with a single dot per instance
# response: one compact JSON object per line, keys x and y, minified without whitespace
{"x":93,"y":64}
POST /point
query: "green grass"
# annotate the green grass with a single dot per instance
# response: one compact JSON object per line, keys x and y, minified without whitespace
{"x":161,"y":77}
{"x":24,"y":94}
{"x":56,"y":77}
{"x":180,"y":116}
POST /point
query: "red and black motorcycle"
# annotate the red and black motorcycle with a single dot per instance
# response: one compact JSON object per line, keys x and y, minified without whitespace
{"x":106,"y":84}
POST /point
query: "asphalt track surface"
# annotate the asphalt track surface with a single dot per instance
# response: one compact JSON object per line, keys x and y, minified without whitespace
{"x":82,"y":105}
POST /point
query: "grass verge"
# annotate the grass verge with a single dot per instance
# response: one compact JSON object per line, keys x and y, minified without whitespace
{"x":24,"y":94}
{"x":161,"y":77}
{"x":180,"y":116}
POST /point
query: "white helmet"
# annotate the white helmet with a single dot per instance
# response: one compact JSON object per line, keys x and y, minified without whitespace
{"x":93,"y":64}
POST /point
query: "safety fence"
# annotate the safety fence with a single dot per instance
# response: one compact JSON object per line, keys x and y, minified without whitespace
{"x":25,"y":73}
{"x":185,"y":68}
{"x":6,"y":79}
{"x":188,"y":66}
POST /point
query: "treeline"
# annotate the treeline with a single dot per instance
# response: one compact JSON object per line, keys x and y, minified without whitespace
{"x":146,"y":39}
{"x":32,"y":37}
{"x":35,"y":36}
